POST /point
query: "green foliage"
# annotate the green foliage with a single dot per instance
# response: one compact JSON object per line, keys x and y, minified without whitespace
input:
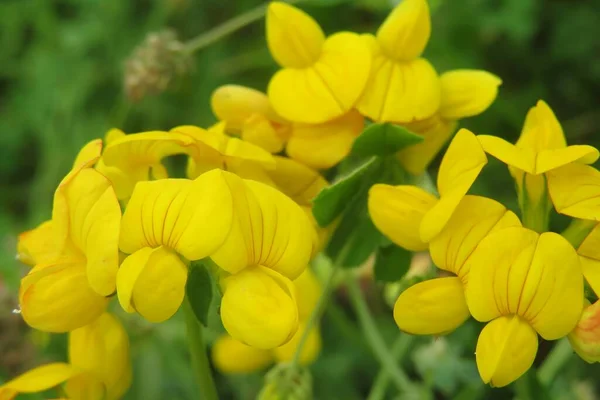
{"x":199,"y":291}
{"x":384,"y":139}
{"x":392,"y":263}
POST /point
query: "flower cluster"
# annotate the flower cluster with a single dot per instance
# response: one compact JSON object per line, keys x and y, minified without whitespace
{"x":513,"y":274}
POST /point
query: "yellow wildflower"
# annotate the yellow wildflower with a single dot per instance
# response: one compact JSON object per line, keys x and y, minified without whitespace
{"x":585,"y":338}
{"x":230,"y":356}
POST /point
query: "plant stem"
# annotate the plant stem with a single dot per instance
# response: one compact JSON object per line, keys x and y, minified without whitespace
{"x":556,"y":360}
{"x":374,"y":339}
{"x":399,"y":349}
{"x":227,"y":28}
{"x":577,"y":231}
{"x":200,"y":363}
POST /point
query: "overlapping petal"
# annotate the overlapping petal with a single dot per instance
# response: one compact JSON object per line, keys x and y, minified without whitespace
{"x":585,"y":338}
{"x":405,"y":32}
{"x":296,"y":180}
{"x":38,"y":379}
{"x":231,"y":356}
{"x":538,"y":277}
{"x":575,"y":191}
{"x":466,"y":93}
{"x":38,"y":246}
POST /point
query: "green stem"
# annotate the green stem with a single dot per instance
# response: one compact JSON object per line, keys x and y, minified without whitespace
{"x":577,"y":231}
{"x":556,"y":360}
{"x":378,"y":346}
{"x":200,"y":363}
{"x":227,"y":28}
{"x":399,"y":349}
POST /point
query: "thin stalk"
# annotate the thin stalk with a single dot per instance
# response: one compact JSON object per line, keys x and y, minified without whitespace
{"x":200,"y":363}
{"x":556,"y":360}
{"x":378,"y":346}
{"x":399,"y":349}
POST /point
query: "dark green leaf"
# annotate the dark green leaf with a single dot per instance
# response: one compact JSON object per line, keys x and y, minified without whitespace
{"x":332,"y":201}
{"x":383,"y":139}
{"x":199,"y":291}
{"x":392,"y":263}
{"x":355,"y":240}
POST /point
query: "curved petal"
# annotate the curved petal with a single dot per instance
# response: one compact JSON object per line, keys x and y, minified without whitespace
{"x":397,"y":212}
{"x":121,"y":183}
{"x":294,"y":38}
{"x":258,"y":130}
{"x":58,"y":298}
{"x":511,"y":155}
{"x":405,"y":32}
{"x":268,"y":229}
{"x":590,"y":247}
{"x":310,"y":351}
{"x":590,"y":268}
{"x":506,"y":349}
{"x":541,"y":130}
{"x":474,"y":218}
{"x":38,"y":379}
{"x":296,"y":180}
{"x":259,"y":308}
{"x":37,"y":246}
{"x":308,"y":292}
{"x":102,"y":348}
{"x":88,"y":155}
{"x":400,"y":91}
{"x":575,"y":191}
{"x":555,"y":158}
{"x":327,"y":89}
{"x":459,"y":169}
{"x":436,"y":132}
{"x":324,"y":145}
{"x":466,"y":93}
{"x":86,"y":210}
{"x":152,"y":282}
{"x":585,"y":338}
{"x":433,"y":307}
{"x":230,"y":356}
{"x":191,"y":217}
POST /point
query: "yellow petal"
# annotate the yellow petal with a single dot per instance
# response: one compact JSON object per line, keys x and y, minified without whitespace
{"x":590,"y":268}
{"x":259,"y":308}
{"x":575,"y":191}
{"x":191,"y":217}
{"x":433,"y":307}
{"x":554,"y":158}
{"x":231,"y":356}
{"x":310,"y":350}
{"x":235,"y":104}
{"x":152,"y":282}
{"x":308,"y":292}
{"x":405,"y":32}
{"x":585,"y":338}
{"x":541,"y":130}
{"x":436,"y":132}
{"x":474,"y":218}
{"x":121,"y":183}
{"x":324,"y":145}
{"x":506,"y":349}
{"x":86,"y":210}
{"x":294,"y":38}
{"x":38,"y":246}
{"x":268,"y":229}
{"x":85,"y":386}
{"x":102,"y":348}
{"x":58,"y":298}
{"x":327,"y":89}
{"x":513,"y":156}
{"x":112,"y":135}
{"x":459,"y":169}
{"x":466,"y":93}
{"x":258,"y":130}
{"x":538,"y":277}
{"x":88,"y":155}
{"x":38,"y":379}
{"x":400,"y":91}
{"x":397,"y":212}
{"x":296,"y":180}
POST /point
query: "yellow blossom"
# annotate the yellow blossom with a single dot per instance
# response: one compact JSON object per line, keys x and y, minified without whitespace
{"x":231,"y":356}
{"x":585,"y":338}
{"x":321,"y":78}
{"x":402,"y":87}
{"x":99,"y":367}
{"x":524,"y":283}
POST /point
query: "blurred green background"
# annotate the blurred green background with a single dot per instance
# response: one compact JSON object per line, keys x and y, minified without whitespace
{"x":61,"y":84}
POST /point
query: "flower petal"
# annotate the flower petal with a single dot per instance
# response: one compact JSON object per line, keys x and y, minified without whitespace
{"x":230,"y":356}
{"x":258,"y":130}
{"x":459,"y":169}
{"x":58,"y":298}
{"x":555,"y":158}
{"x":310,"y":351}
{"x":38,"y":379}
{"x":575,"y":191}
{"x":327,"y":89}
{"x":513,"y":156}
{"x":405,"y":32}
{"x":506,"y":349}
{"x":397,"y":211}
{"x":88,"y":155}
{"x":466,"y":93}
{"x":191,"y":217}
{"x":585,"y":338}
{"x":296,"y":180}
{"x":294,"y":38}
{"x":474,"y":218}
{"x":259,"y":308}
{"x":37,"y":246}
{"x":590,"y":268}
{"x":433,"y":307}
{"x":541,"y":130}
{"x":399,"y":91}
{"x":308,"y":292}
{"x":324,"y":145}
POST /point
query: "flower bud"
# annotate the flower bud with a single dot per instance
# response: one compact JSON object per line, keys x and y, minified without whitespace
{"x":585,"y":338}
{"x":259,"y":307}
{"x":286,"y":382}
{"x":231,"y":356}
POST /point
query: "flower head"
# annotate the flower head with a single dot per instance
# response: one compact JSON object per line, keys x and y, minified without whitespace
{"x":585,"y":338}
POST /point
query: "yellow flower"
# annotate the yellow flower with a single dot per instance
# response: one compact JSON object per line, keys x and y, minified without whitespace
{"x":438,"y":306}
{"x":76,"y":253}
{"x":465,"y":93}
{"x":118,"y":178}
{"x":99,"y":367}
{"x":402,"y":87}
{"x":541,"y":148}
{"x":310,"y":351}
{"x":231,"y":356}
{"x":247,"y":113}
{"x":524,"y":283}
{"x":412,"y":217}
{"x":585,"y":338}
{"x":322,"y":78}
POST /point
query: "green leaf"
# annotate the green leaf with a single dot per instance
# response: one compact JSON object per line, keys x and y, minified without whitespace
{"x":199,"y":291}
{"x":333,"y":200}
{"x":392,"y":263}
{"x":384,"y":139}
{"x":355,"y":239}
